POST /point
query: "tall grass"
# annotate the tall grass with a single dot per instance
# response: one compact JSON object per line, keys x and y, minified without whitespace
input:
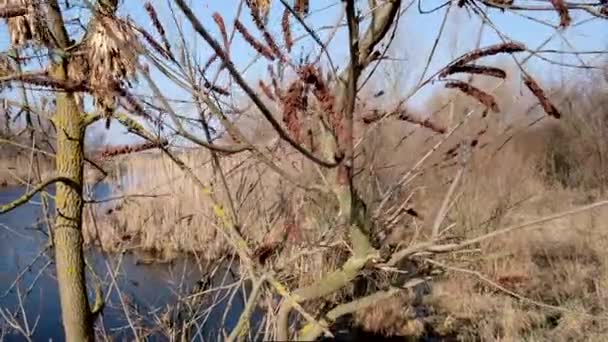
{"x":518,"y":171}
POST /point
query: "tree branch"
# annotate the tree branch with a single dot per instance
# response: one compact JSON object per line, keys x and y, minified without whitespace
{"x":240,"y":328}
{"x":311,"y":333}
{"x":12,"y":11}
{"x":27,"y":196}
{"x":325,"y":286}
{"x":198,"y":27}
{"x":180,"y":128}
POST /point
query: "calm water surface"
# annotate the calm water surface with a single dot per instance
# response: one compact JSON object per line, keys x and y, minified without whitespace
{"x":147,"y":287}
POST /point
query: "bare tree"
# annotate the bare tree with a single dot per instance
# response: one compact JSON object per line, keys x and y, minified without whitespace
{"x":311,"y":108}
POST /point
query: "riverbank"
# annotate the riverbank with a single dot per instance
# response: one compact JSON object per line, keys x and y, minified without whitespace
{"x":19,"y":170}
{"x":540,"y":284}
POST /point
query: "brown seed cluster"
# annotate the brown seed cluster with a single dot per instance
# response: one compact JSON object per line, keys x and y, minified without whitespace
{"x":562,"y":10}
{"x":158,"y":25}
{"x":266,"y":90}
{"x":259,"y":11}
{"x":6,"y":67}
{"x":219,"y":21}
{"x":287,"y":37}
{"x":312,"y":75}
{"x":294,"y":103}
{"x":301,"y":7}
{"x":111,"y":48}
{"x":259,"y":47}
{"x":491,"y":50}
{"x":112,"y":52}
{"x":481,"y":96}
{"x":474,"y":69}
{"x":127,"y":149}
{"x":548,"y":107}
{"x":25,"y":21}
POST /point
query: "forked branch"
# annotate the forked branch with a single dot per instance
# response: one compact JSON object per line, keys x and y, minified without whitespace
{"x":27,"y":196}
{"x":198,"y":27}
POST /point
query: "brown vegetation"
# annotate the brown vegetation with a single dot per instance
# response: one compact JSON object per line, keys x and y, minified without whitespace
{"x":544,"y":284}
{"x":359,"y":207}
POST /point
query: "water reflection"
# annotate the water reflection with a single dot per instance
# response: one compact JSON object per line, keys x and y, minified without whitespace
{"x":145,"y":287}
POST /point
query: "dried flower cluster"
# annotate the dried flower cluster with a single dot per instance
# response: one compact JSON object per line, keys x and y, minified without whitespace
{"x":562,"y":10}
{"x":480,"y":95}
{"x":258,"y":46}
{"x":491,"y":50}
{"x":312,"y":75}
{"x":6,"y":67}
{"x":155,"y":45}
{"x":112,"y":51}
{"x":294,"y":103}
{"x":474,"y":69}
{"x":301,"y":7}
{"x":266,"y":90}
{"x":275,"y":82}
{"x":119,"y":150}
{"x":219,"y":21}
{"x":287,"y":37}
{"x":548,"y":107}
{"x":259,"y":11}
{"x":25,"y":21}
{"x":427,"y":123}
{"x":273,"y":46}
{"x":158,"y":26}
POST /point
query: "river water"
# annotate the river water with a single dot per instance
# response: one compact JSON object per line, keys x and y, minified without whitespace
{"x":147,"y":287}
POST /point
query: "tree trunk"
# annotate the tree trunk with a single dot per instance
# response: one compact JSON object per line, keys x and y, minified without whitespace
{"x":69,"y":258}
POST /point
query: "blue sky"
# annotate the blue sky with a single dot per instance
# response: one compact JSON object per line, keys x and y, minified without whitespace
{"x":414,"y":40}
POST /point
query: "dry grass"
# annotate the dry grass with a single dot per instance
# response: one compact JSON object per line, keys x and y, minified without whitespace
{"x":16,"y":166}
{"x":562,"y":264}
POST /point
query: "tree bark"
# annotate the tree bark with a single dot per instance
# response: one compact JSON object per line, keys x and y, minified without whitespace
{"x":69,"y":258}
{"x":69,"y":255}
